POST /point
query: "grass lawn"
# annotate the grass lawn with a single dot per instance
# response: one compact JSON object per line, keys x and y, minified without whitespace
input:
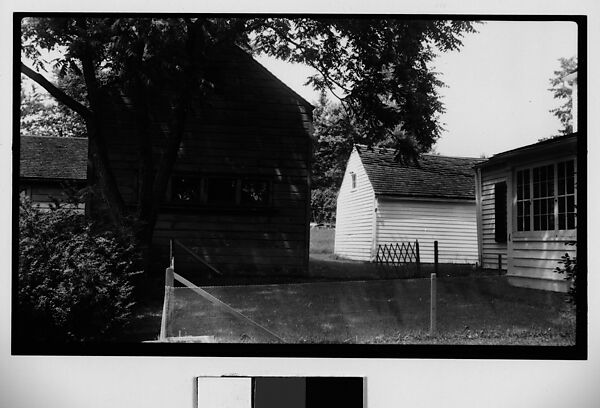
{"x":344,"y":301}
{"x":483,"y":310}
{"x":322,"y":240}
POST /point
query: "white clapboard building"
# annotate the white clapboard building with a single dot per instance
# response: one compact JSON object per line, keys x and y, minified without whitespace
{"x":385,"y":201}
{"x":527,"y":211}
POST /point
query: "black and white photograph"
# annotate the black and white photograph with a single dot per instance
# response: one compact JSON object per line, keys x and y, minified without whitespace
{"x":192,"y":181}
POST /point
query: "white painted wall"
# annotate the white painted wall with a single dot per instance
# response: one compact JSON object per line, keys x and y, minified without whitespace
{"x":354,"y":217}
{"x":490,"y":248}
{"x":536,"y":254}
{"x":528,"y":254}
{"x":452,"y":224}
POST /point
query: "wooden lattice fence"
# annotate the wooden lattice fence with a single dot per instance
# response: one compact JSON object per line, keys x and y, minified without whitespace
{"x":399,"y":258}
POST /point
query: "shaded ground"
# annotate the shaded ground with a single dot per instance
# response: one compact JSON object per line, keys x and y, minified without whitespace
{"x":470,"y":310}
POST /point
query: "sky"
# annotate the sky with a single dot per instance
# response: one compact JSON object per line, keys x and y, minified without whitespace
{"x":497,"y":95}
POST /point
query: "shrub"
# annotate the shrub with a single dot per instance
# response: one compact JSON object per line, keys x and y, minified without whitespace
{"x":323,"y":205}
{"x":74,"y":282}
{"x":569,"y":268}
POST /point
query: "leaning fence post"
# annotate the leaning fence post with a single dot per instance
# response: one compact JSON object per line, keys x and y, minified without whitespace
{"x":433,"y":305}
{"x":166,"y":313}
{"x":435,"y":257}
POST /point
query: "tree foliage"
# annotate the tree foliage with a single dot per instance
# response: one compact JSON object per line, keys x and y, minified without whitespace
{"x":379,"y":69}
{"x":74,"y":282}
{"x":41,"y":115}
{"x":564,"y":93}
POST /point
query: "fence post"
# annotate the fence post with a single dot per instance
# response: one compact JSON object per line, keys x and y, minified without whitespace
{"x":418,"y":256}
{"x":435,"y":257}
{"x":433,"y":305}
{"x":166,"y":313}
{"x":499,"y":263}
{"x":171,"y":254}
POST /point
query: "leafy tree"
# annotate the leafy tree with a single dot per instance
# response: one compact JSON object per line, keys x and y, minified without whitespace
{"x":335,"y":133}
{"x":41,"y":115}
{"x":564,"y":93}
{"x":379,"y":69}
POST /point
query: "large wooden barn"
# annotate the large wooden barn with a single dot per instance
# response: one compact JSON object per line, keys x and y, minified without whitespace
{"x":239,"y":195}
{"x":527,"y":211}
{"x":383,"y":200}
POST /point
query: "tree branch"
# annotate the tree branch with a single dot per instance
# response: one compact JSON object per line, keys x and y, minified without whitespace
{"x":56,"y":93}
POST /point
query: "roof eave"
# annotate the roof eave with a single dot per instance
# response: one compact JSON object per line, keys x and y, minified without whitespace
{"x":538,"y":148}
{"x":423,"y":197}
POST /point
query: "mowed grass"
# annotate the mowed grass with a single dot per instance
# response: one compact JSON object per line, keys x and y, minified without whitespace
{"x":354,"y":302}
{"x":322,"y":240}
{"x":483,"y":310}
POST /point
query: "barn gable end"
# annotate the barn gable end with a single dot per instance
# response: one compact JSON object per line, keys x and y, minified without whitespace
{"x":239,"y":195}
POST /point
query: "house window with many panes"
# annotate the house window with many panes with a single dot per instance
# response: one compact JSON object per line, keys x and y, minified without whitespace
{"x":220,"y":191}
{"x":546,"y":197}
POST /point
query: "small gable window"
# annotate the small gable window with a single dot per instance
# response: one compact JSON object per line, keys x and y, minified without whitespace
{"x":353,"y":180}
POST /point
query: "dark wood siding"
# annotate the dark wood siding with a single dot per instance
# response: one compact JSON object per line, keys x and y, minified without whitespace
{"x":253,"y":126}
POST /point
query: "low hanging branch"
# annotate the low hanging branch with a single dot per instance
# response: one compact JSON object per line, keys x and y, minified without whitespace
{"x":57,"y":93}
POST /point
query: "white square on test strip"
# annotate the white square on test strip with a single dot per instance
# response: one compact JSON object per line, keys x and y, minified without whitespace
{"x":224,"y":392}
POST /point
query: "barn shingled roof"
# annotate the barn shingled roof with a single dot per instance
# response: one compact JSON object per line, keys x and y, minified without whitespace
{"x":53,"y":157}
{"x":433,"y":177}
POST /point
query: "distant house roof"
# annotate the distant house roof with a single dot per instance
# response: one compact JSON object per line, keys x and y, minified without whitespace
{"x":433,"y":177}
{"x":559,"y":143}
{"x":62,"y":158}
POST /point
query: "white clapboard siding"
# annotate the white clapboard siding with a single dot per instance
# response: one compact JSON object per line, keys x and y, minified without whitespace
{"x":537,"y":257}
{"x":452,"y":224}
{"x":490,"y":248}
{"x":354,"y":215}
{"x":42,"y":197}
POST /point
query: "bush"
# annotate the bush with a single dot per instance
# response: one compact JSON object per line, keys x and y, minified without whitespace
{"x":74,"y":283}
{"x":323,"y":205}
{"x":569,"y":268}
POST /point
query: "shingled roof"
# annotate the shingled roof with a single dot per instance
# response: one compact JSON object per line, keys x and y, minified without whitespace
{"x":62,"y":158}
{"x":433,"y":177}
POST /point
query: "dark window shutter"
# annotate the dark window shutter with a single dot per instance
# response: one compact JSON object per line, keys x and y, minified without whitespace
{"x":500,"y":212}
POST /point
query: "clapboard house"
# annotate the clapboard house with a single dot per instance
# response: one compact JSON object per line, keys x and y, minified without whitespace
{"x":527,"y":211}
{"x":383,"y":200}
{"x":51,"y":168}
{"x":239,"y":194}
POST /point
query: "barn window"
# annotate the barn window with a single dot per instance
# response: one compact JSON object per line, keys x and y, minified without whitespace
{"x":186,"y":189}
{"x":254,"y":193}
{"x":545,"y":195}
{"x":221,"y":191}
{"x":500,"y":212}
{"x":225,"y":191}
{"x":353,"y":178}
